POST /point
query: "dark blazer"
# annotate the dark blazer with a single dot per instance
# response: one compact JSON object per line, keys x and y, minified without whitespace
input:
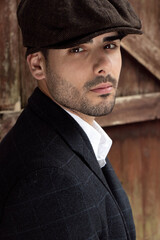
{"x":51,"y":186}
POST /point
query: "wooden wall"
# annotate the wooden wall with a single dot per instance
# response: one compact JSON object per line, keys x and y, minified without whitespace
{"x":9,"y":56}
{"x":134,"y":124}
{"x":135,"y":156}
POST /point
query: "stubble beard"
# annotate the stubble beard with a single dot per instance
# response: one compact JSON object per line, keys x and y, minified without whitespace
{"x":68,"y":96}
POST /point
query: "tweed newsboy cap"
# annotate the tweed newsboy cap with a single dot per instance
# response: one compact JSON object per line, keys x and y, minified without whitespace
{"x":66,"y":23}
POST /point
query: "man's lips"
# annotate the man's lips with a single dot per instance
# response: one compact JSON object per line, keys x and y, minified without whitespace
{"x":103,"y":88}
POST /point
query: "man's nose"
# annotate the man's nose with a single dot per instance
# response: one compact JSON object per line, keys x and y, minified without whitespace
{"x":102,"y":65}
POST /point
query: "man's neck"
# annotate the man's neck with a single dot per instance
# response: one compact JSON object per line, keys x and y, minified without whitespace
{"x":86,"y":118}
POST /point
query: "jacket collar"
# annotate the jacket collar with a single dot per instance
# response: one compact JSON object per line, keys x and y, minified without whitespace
{"x":68,"y":128}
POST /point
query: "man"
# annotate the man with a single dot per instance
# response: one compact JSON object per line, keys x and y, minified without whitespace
{"x":56,"y":180}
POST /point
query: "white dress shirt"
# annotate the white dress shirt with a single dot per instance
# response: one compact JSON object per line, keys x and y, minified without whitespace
{"x":99,"y":140}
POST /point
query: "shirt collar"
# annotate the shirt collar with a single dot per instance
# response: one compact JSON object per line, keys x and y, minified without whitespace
{"x":100,"y":141}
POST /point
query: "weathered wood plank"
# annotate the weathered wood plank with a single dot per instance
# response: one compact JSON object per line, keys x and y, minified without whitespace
{"x":135,"y":155}
{"x":135,"y":78}
{"x":145,"y":52}
{"x":146,"y":49}
{"x":127,"y":110}
{"x":131,"y":109}
{"x":149,"y":13}
{"x":9,"y":56}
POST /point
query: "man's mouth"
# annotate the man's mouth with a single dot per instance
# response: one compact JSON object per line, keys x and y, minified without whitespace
{"x":103,"y":88}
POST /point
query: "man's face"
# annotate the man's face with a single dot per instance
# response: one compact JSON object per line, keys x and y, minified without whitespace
{"x":84,"y":78}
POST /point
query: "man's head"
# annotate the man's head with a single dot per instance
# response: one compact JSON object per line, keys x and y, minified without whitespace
{"x":75,"y":56}
{"x":84,"y":78}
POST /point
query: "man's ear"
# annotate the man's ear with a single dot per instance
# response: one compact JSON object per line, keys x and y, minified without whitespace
{"x":36,"y":63}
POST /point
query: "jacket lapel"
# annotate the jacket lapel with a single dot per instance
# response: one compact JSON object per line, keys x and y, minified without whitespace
{"x":69,"y":130}
{"x":79,"y":143}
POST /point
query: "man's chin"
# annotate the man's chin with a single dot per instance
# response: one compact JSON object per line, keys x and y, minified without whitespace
{"x":99,"y":111}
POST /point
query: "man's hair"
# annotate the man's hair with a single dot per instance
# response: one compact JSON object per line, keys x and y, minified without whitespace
{"x":44,"y":51}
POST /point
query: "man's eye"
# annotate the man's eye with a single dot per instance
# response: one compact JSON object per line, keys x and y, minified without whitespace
{"x":110,"y":46}
{"x":76,"y":50}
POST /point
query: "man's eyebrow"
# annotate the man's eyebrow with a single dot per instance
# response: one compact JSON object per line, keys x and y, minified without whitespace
{"x":109,"y":38}
{"x":112,"y":38}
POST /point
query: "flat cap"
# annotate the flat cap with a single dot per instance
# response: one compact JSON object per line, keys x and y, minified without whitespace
{"x":66,"y":23}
